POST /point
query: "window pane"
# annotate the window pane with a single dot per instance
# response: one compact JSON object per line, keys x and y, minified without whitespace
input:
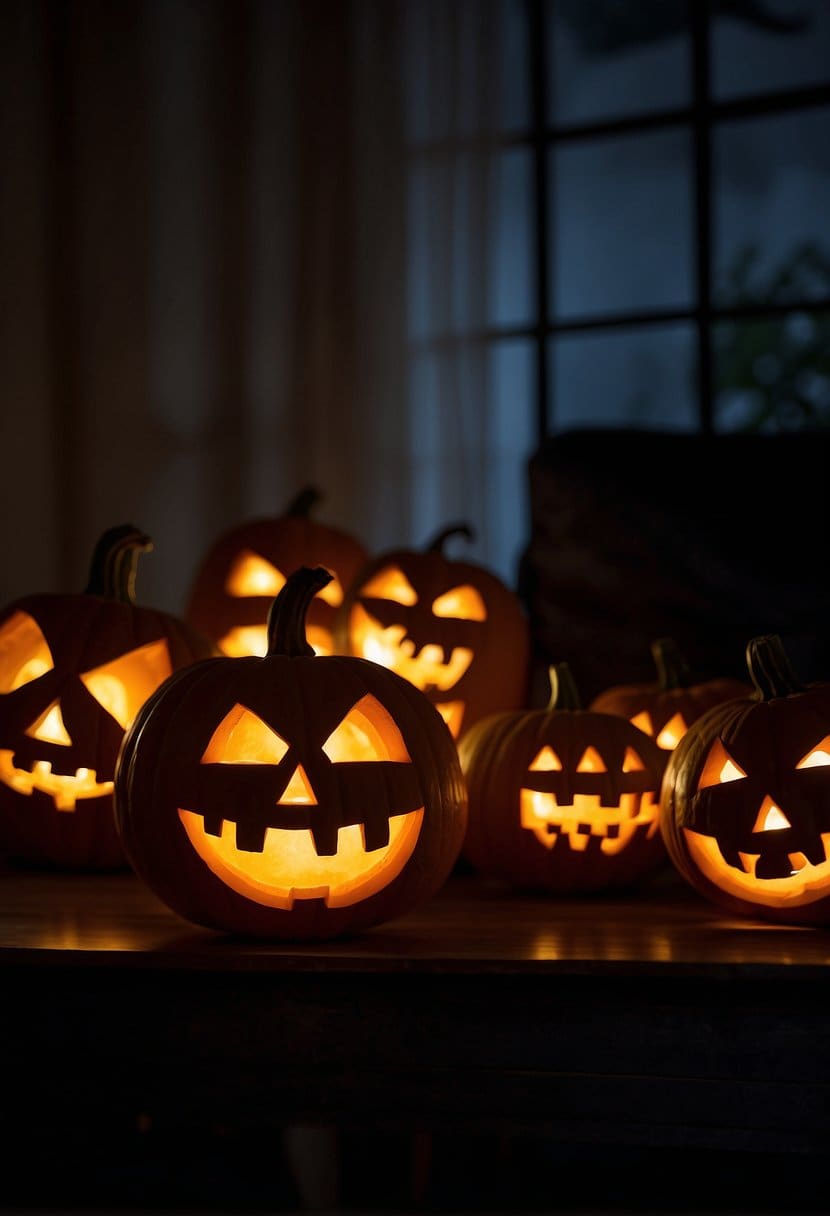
{"x":466,"y":69}
{"x":773,"y":374}
{"x":473,"y":429}
{"x":623,"y":224}
{"x":637,"y":377}
{"x":771,"y":202}
{"x":469,"y":231}
{"x":610,"y":59}
{"x":766,"y":47}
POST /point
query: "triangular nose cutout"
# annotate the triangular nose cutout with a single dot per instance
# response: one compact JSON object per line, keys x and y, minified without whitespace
{"x":49,"y":727}
{"x":298,"y":789}
{"x":771,"y":818}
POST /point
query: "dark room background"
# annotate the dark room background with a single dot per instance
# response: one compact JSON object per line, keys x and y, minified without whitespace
{"x":386,"y":246}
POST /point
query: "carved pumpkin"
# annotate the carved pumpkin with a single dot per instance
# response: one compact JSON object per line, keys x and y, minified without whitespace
{"x":666,"y":707}
{"x":745,"y":804}
{"x":246,"y":567}
{"x":294,"y":795}
{"x":562,"y":799}
{"x":74,"y":671}
{"x":452,"y":628}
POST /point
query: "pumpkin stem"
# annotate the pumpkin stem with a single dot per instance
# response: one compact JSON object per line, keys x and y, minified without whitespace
{"x":114,"y":560}
{"x":770,"y":668}
{"x":438,"y":541}
{"x":286,"y":616}
{"x":301,"y":504}
{"x":672,"y":669}
{"x":563,"y":691}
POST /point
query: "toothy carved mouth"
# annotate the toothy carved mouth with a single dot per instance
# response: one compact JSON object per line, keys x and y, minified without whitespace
{"x":585,"y":817}
{"x":426,"y":669}
{"x":806,"y":883}
{"x":65,"y":788}
{"x":288,"y":867}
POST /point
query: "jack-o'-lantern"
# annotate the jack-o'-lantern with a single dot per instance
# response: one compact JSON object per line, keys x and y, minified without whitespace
{"x":291,"y":795}
{"x":452,"y":628}
{"x":246,"y":567}
{"x":74,"y":670}
{"x":562,"y":799}
{"x":745,"y":804}
{"x":666,"y":708}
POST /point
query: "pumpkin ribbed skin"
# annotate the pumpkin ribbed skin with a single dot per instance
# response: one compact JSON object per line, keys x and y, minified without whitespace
{"x":84,"y":631}
{"x":497,"y":677}
{"x":302,"y":698}
{"x":496,"y":756}
{"x":674,"y":693}
{"x":734,"y":790}
{"x":286,"y":542}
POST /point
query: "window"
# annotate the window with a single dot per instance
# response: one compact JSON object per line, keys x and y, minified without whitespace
{"x":618,"y":218}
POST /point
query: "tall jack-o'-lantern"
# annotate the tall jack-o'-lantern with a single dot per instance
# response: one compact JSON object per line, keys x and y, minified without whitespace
{"x":666,"y":707}
{"x":246,"y":567}
{"x":292,"y":795}
{"x":562,"y":799}
{"x":74,"y":671}
{"x":452,"y":628}
{"x":745,"y":804}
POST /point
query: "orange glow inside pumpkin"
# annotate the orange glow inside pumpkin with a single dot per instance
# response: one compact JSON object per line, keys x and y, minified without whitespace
{"x":288,"y":866}
{"x":586,"y":816}
{"x":120,"y":687}
{"x":252,"y":575}
{"x":805,"y":883}
{"x":669,"y":736}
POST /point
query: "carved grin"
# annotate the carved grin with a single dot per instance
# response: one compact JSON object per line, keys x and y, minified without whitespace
{"x":392,"y":648}
{"x":65,"y":788}
{"x":585,"y":817}
{"x":806,"y":883}
{"x":268,"y":875}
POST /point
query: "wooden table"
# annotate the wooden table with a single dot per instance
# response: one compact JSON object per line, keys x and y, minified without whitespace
{"x":646,"y":1022}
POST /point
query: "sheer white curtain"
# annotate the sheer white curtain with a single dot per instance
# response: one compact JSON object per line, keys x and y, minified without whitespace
{"x":211,"y":284}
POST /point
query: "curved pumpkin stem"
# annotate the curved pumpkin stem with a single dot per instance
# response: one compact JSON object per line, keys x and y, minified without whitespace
{"x":303,"y":503}
{"x":563,"y":691}
{"x":286,"y":616}
{"x":436,"y":545}
{"x":769,"y":668}
{"x":672,"y":669}
{"x":114,"y":560}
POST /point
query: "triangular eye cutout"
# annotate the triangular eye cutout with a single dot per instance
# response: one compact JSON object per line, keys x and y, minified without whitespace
{"x":545,"y":761}
{"x":461,"y":603}
{"x":49,"y":727}
{"x":391,"y":584}
{"x":122,"y":686}
{"x":591,"y":762}
{"x":243,"y":738}
{"x":672,"y":733}
{"x":770,"y":818}
{"x":251,"y":574}
{"x":643,"y":722}
{"x":24,"y":652}
{"x":367,"y":732}
{"x":719,"y":767}
{"x":816,"y":756}
{"x":298,"y":792}
{"x":632,"y":762}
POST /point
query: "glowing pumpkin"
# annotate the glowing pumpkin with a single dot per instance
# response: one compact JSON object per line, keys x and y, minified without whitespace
{"x":745,"y":804}
{"x":246,"y":567}
{"x":452,"y":628}
{"x":562,"y":799}
{"x":666,"y":707}
{"x":74,"y":671}
{"x":292,"y":795}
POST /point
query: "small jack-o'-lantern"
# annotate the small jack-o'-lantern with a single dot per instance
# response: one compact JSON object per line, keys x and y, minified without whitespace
{"x":745,"y":803}
{"x":246,"y":567}
{"x":562,"y":799}
{"x":452,"y":628}
{"x":74,"y":671}
{"x":292,"y":795}
{"x":666,"y":708}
